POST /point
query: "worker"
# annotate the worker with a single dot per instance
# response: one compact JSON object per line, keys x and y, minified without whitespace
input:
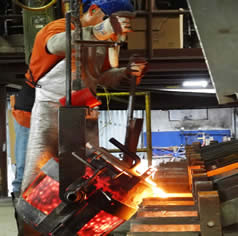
{"x":47,"y":73}
{"x":21,"y":106}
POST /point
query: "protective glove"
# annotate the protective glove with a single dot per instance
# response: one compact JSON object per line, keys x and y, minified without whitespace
{"x":137,"y":67}
{"x":83,"y":97}
{"x":112,"y":28}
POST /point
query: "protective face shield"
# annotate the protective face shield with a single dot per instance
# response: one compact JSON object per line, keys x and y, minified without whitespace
{"x":109,"y":7}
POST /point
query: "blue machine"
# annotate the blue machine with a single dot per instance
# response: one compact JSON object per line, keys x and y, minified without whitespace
{"x":165,"y":139}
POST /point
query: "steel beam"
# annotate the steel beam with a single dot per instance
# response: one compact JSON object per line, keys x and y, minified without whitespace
{"x":209,"y":211}
{"x":216,"y":24}
{"x":3,"y":147}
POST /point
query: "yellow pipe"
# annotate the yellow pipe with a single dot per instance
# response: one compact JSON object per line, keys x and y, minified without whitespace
{"x":120,"y":94}
{"x":148,"y":128}
{"x":36,"y":8}
{"x":66,"y":7}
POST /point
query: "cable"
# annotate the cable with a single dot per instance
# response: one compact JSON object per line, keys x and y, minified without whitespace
{"x":36,"y":8}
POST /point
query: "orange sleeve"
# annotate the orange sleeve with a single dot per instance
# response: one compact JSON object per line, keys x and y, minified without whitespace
{"x":38,"y":66}
{"x":22,"y":117}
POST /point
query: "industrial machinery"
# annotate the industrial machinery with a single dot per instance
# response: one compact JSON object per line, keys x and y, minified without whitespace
{"x":201,"y":195}
{"x":106,"y":195}
{"x":88,"y":192}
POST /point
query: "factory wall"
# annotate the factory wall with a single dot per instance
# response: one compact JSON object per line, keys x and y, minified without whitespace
{"x":113,"y":124}
{"x":218,"y":122}
{"x":204,"y":119}
{"x":183,"y":127}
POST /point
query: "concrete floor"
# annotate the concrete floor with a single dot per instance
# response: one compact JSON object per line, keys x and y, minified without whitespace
{"x":7,"y":221}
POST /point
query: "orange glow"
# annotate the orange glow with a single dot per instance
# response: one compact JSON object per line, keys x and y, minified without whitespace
{"x":43,"y":159}
{"x":45,"y":196}
{"x":99,"y":224}
{"x":156,"y":190}
{"x":155,"y":201}
{"x":164,"y":228}
{"x":159,"y":192}
{"x":179,"y":195}
{"x":166,"y":213}
{"x":222,"y":169}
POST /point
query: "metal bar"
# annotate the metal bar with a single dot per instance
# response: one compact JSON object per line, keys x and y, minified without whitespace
{"x":210,"y":215}
{"x":166,"y":220}
{"x":78,"y":35}
{"x":3,"y":154}
{"x":133,"y":156}
{"x":163,"y":12}
{"x":170,"y":207}
{"x":130,"y":126}
{"x":164,"y":234}
{"x":97,"y":43}
{"x":148,"y":128}
{"x":71,"y":120}
{"x":131,"y":100}
{"x":137,"y":150}
{"x":68,"y":58}
{"x":149,"y":39}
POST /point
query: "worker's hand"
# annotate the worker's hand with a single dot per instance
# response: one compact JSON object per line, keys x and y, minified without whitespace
{"x":112,"y":28}
{"x":137,"y":67}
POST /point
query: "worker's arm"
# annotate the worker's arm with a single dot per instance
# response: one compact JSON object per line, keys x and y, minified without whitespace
{"x":103,"y":31}
{"x":57,"y":43}
{"x":113,"y":77}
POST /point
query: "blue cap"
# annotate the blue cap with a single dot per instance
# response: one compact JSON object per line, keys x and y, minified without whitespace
{"x":109,"y":6}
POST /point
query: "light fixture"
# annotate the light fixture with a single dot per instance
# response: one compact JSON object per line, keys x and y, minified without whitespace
{"x":195,"y":83}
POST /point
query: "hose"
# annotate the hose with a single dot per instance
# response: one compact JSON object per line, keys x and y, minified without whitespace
{"x":36,"y":8}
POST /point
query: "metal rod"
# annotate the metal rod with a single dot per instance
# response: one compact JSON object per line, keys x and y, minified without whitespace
{"x":68,"y":58}
{"x":137,"y":150}
{"x":97,"y":43}
{"x":78,"y":36}
{"x":131,"y":100}
{"x":148,"y":128}
{"x":163,"y":12}
{"x":149,"y":41}
{"x":82,"y":160}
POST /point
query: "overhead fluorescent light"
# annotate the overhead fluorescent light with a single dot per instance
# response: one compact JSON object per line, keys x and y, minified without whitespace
{"x":195,"y":83}
{"x":212,"y":91}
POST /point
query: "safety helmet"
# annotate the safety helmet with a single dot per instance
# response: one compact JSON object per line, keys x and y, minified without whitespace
{"x":109,"y":6}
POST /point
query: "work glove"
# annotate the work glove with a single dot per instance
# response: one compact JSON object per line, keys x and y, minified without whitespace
{"x":137,"y":67}
{"x":83,"y":97}
{"x":112,"y":28}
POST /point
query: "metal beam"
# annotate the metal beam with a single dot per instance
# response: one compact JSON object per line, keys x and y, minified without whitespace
{"x":3,"y":153}
{"x":216,"y":24}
